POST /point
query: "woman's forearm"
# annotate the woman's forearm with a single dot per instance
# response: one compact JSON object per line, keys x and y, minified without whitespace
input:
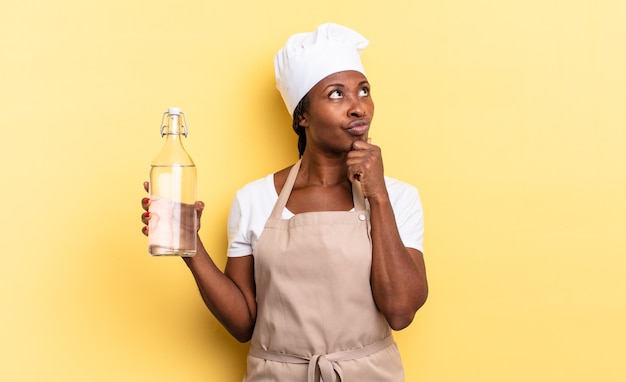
{"x":222,"y":295}
{"x":398,"y":274}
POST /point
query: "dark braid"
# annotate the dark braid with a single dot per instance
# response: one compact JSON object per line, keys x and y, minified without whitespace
{"x":301,"y":108}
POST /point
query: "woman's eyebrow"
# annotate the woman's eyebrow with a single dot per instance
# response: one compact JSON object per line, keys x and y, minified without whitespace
{"x":339,"y":84}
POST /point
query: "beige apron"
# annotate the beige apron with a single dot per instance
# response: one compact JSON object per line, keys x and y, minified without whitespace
{"x":316,"y":316}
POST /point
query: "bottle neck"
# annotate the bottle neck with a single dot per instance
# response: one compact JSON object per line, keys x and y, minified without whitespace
{"x":173,"y":126}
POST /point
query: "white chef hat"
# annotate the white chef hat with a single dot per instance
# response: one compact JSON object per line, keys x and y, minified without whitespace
{"x":309,"y":57}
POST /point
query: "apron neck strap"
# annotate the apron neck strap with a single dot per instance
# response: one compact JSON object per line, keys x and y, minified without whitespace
{"x":357,"y":196}
{"x":357,"y":193}
{"x":286,"y":191}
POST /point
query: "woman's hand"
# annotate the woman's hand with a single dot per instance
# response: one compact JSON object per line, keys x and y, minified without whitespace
{"x":365,"y":165}
{"x":145,"y":217}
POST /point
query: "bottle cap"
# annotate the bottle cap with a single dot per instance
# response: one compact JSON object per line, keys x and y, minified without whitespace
{"x":173,"y":110}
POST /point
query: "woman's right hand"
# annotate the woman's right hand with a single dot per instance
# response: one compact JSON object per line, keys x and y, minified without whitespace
{"x":145,"y":216}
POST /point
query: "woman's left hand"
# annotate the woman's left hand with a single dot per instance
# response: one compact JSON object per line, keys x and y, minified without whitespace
{"x":365,"y":165}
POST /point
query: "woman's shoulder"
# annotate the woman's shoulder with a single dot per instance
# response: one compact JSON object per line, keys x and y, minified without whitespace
{"x":280,"y":177}
{"x":271,"y":183}
{"x":257,"y":187}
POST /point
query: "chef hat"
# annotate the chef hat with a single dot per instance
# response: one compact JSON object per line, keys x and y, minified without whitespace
{"x":309,"y":57}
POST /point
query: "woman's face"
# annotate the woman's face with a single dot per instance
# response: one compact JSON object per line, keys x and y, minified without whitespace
{"x":340,"y":112}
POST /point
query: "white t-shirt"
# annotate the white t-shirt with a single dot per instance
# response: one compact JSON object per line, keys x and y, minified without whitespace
{"x":254,"y":202}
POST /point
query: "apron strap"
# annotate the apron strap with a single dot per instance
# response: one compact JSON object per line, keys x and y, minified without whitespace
{"x":329,"y":370}
{"x":357,"y":193}
{"x":286,"y":191}
{"x":357,"y":196}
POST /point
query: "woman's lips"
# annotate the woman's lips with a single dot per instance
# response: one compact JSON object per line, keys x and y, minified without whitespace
{"x":358,"y":128}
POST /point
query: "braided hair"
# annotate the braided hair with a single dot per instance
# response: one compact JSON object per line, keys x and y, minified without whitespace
{"x":301,"y":108}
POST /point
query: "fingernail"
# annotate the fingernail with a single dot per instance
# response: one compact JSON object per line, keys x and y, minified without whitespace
{"x":146,"y":200}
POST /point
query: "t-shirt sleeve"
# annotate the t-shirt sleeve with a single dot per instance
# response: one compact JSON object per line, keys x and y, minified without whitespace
{"x":239,"y":242}
{"x":249,"y":211}
{"x":409,"y":213}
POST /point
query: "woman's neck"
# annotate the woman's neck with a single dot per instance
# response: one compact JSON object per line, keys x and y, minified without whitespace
{"x":322,"y":170}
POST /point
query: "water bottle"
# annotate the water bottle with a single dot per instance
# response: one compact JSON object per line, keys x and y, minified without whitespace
{"x":173,"y":218}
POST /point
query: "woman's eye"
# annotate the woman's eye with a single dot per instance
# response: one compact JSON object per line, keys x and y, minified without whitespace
{"x":364,"y":92}
{"x":335,"y":94}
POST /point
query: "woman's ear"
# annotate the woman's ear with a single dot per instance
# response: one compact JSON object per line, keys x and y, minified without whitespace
{"x":302,"y":121}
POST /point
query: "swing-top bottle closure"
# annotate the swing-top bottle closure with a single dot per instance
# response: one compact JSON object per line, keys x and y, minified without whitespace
{"x":173,"y":126}
{"x":174,"y":113}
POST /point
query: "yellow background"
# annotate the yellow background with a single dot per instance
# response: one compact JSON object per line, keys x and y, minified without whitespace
{"x":509,"y":116}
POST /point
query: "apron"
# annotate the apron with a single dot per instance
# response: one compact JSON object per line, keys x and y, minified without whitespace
{"x":316,"y":316}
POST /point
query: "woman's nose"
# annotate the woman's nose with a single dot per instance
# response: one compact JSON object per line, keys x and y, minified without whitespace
{"x":357,"y":109}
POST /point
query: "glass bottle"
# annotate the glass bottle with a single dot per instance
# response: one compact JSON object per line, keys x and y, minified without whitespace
{"x":173,"y":217}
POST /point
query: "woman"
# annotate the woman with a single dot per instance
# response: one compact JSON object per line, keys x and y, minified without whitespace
{"x":339,"y":262}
